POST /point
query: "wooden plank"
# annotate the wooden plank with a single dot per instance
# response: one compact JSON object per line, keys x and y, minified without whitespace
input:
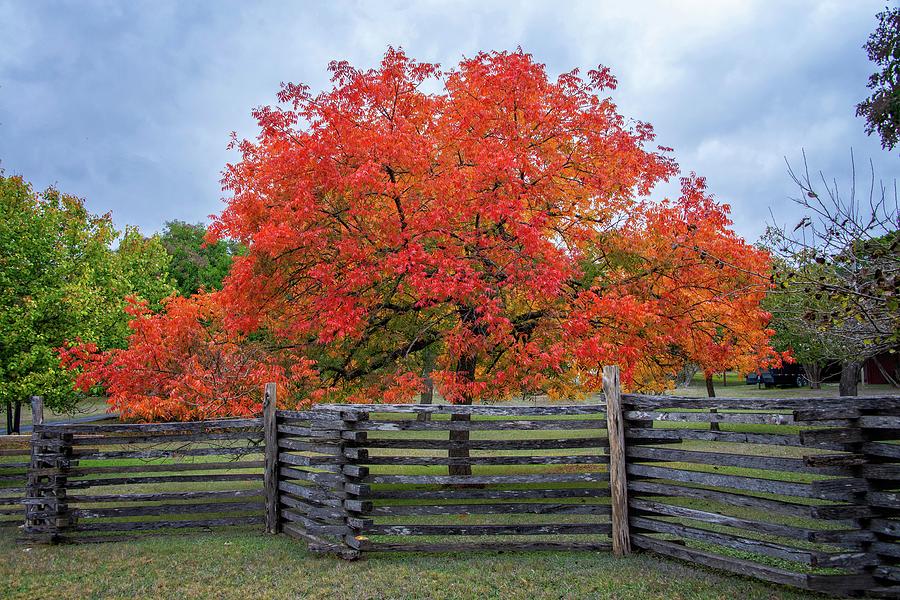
{"x":77,"y":484}
{"x":160,"y":496}
{"x":884,"y":499}
{"x":769,"y":486}
{"x":717,"y":561}
{"x":312,"y":526}
{"x":544,"y":444}
{"x":817,"y":415}
{"x":486,"y":546}
{"x":535,"y":508}
{"x":191,"y":523}
{"x":885,"y":527}
{"x":642,"y":524}
{"x":571,"y":459}
{"x":665,"y":489}
{"x":879,"y":422}
{"x":313,"y":494}
{"x":316,"y":447}
{"x":719,"y":417}
{"x":319,"y":462}
{"x":650,"y":402}
{"x":144,"y":428}
{"x":270,"y":472}
{"x":778,"y":529}
{"x":480,"y":494}
{"x":14,"y":452}
{"x":300,"y":415}
{"x":749,"y":461}
{"x":837,"y":435}
{"x":886,"y":549}
{"x":491,"y":425}
{"x":536,"y":478}
{"x":549,"y":529}
{"x":834,"y":460}
{"x":311,"y":510}
{"x":167,"y":509}
{"x":325,"y":479}
{"x":254,"y":437}
{"x":881,"y":450}
{"x":769,"y":439}
{"x":889,"y":472}
{"x":153,"y":468}
{"x":179,"y":453}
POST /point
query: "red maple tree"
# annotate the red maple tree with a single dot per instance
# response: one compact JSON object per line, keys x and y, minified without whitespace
{"x":490,"y":215}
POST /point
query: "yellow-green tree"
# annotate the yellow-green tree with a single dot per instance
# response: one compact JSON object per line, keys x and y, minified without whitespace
{"x":62,"y":279}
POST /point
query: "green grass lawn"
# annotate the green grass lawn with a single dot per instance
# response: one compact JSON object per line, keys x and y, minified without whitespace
{"x":253,"y":565}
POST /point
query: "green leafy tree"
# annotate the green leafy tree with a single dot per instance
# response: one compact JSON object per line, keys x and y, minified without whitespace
{"x":797,"y":322}
{"x":195,"y":264}
{"x":882,"y":109}
{"x":61,"y":280}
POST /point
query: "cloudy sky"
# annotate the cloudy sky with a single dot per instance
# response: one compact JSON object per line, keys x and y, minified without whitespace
{"x":129,"y":104}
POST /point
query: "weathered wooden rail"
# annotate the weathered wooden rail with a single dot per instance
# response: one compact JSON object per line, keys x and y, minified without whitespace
{"x":339,"y":486}
{"x":15,"y":456}
{"x":90,"y":483}
{"x":795,"y":491}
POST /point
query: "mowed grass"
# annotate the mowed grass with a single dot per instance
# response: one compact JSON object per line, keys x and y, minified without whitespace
{"x":245,"y":565}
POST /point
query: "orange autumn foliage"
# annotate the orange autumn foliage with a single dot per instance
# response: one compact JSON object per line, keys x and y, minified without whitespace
{"x":500,"y":223}
{"x":182,"y":365}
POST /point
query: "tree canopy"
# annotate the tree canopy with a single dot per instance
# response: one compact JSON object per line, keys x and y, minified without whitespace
{"x":196,"y":264}
{"x":882,"y":109}
{"x":60,"y":280}
{"x":488,"y":215}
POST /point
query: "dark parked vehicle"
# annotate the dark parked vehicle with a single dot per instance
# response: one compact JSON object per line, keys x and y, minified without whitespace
{"x":786,"y":376}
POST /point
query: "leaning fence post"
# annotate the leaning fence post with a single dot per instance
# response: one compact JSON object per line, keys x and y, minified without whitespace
{"x":618,"y":485}
{"x":270,"y":475}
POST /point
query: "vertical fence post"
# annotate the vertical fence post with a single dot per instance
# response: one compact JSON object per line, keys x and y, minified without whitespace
{"x":37,"y":410}
{"x":270,"y":475}
{"x":355,"y":491}
{"x":47,"y":515}
{"x":618,"y":485}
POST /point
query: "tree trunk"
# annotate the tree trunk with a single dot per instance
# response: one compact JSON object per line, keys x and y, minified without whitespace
{"x":813,"y":372}
{"x":724,"y":379}
{"x":849,"y":379}
{"x":9,"y":418}
{"x":17,"y":417}
{"x":711,"y":392}
{"x":466,"y":369}
{"x":427,"y":395}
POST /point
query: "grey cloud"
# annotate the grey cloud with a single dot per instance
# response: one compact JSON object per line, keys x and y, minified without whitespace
{"x":130,"y":104}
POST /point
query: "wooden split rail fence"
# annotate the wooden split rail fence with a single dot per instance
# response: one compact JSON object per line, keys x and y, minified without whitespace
{"x":92,"y":483}
{"x":794,"y":491}
{"x":803,"y":492}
